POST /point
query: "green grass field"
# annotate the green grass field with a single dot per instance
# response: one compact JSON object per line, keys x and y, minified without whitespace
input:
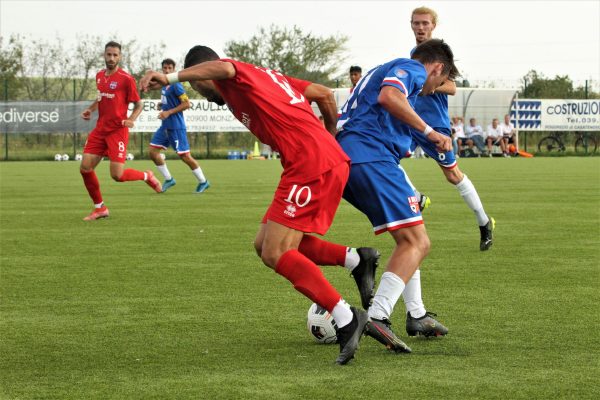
{"x":167,"y":300}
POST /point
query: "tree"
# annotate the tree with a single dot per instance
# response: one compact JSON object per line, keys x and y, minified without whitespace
{"x":292,"y":52}
{"x":10,"y":65}
{"x":536,"y":86}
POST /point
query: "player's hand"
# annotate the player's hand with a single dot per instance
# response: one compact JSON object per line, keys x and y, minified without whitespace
{"x":153,"y":80}
{"x":86,"y":114}
{"x":128,"y":123}
{"x":164,"y":115}
{"x":442,"y":142}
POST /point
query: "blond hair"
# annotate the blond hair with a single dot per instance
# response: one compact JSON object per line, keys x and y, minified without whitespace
{"x":423,"y":11}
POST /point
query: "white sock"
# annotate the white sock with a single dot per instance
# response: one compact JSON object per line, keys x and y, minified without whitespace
{"x":199,"y":175}
{"x":412,"y":296}
{"x":164,"y":171}
{"x":99,"y":205}
{"x":390,"y":288}
{"x":342,"y":314}
{"x":470,"y":196}
{"x":352,"y":259}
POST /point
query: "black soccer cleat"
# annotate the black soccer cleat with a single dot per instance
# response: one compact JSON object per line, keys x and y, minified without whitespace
{"x":380,"y":330}
{"x":364,"y":274}
{"x":487,"y":234}
{"x":349,"y":336}
{"x":424,"y":202}
{"x":426,"y":325}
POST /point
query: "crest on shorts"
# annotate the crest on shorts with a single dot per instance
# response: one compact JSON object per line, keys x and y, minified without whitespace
{"x":290,"y":211}
{"x":113,"y":85}
{"x":414,"y":203}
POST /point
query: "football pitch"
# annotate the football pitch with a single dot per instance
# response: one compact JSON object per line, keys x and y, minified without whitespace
{"x":166,"y":299}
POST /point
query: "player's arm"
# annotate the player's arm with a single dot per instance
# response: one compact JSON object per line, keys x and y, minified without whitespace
{"x":325,"y":100}
{"x":87,"y":113}
{"x":396,"y":103}
{"x":448,"y":87}
{"x":210,"y":70}
{"x":183,"y":105}
{"x":137,"y":110}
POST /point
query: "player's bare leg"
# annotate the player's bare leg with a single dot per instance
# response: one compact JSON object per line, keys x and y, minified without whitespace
{"x":89,"y":162}
{"x":412,"y":245}
{"x":203,"y":183}
{"x":279,"y":251}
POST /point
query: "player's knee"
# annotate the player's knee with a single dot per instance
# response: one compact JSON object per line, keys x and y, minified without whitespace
{"x":116,"y":176}
{"x":269,"y":257}
{"x":454,"y":176}
{"x":258,"y":247}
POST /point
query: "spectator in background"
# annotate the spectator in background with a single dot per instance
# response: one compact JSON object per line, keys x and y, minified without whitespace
{"x":509,"y":135}
{"x":459,"y":134}
{"x":494,"y":138}
{"x":355,"y":75}
{"x":474,"y":135}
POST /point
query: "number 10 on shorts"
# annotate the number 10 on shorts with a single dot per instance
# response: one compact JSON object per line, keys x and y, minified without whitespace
{"x":296,"y":196}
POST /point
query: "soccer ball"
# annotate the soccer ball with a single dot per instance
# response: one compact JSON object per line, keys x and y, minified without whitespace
{"x":130,"y":156}
{"x":321,"y":325}
{"x":57,"y":157}
{"x":78,"y":157}
{"x":65,"y":157}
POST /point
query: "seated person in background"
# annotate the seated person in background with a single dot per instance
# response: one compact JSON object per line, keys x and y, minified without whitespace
{"x":474,"y":135}
{"x":459,"y":134}
{"x":494,"y":138}
{"x":509,"y":135}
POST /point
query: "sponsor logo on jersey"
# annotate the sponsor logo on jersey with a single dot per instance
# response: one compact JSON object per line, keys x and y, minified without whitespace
{"x":414,"y":204}
{"x":290,"y":211}
{"x":113,"y":85}
{"x":107,"y":95}
{"x":246,"y":121}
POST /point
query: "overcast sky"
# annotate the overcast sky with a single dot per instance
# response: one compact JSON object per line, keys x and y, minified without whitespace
{"x":492,"y":40}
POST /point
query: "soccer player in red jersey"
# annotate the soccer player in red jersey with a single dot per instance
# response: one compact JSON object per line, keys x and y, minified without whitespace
{"x":116,"y":89}
{"x":315,"y":170}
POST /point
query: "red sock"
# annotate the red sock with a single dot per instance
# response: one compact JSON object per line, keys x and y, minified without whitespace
{"x":308,"y":279}
{"x":132,"y":175}
{"x":321,"y":252}
{"x":90,"y":180}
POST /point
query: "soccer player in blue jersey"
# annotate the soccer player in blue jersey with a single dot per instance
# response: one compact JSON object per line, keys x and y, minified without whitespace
{"x":172,"y":132}
{"x":374,"y":130}
{"x":434,"y":111}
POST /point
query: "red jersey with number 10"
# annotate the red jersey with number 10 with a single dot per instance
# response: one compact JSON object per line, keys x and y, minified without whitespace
{"x":115,"y":92}
{"x":274,"y":109}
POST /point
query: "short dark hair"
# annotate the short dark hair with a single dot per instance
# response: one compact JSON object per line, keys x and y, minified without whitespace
{"x":355,"y":68}
{"x":112,"y":43}
{"x":436,"y":50}
{"x":199,"y":54}
{"x":168,"y":61}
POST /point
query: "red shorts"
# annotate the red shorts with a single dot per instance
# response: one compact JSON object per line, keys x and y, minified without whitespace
{"x":309,"y":206}
{"x":112,"y":144}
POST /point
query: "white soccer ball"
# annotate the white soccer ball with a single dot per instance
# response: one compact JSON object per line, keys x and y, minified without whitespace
{"x":130,"y":156}
{"x":321,"y":325}
{"x":65,"y":157}
{"x":163,"y":156}
{"x":78,"y":157}
{"x":57,"y":157}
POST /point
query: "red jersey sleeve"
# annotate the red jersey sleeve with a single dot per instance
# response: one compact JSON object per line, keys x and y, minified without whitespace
{"x":133,"y":95}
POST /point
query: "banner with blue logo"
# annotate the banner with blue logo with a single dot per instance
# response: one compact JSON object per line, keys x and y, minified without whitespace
{"x":556,"y":115}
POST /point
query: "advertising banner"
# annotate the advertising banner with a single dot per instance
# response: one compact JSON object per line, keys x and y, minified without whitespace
{"x":556,"y":115}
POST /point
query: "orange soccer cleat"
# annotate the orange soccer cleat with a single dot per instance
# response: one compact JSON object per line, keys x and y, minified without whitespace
{"x":153,"y":182}
{"x":98,"y":213}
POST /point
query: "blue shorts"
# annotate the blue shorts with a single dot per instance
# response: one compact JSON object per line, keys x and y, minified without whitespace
{"x":446,"y":160}
{"x":381,"y":191}
{"x":176,"y":138}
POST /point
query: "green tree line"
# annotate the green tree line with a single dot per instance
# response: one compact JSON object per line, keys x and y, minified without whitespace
{"x":49,"y":70}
